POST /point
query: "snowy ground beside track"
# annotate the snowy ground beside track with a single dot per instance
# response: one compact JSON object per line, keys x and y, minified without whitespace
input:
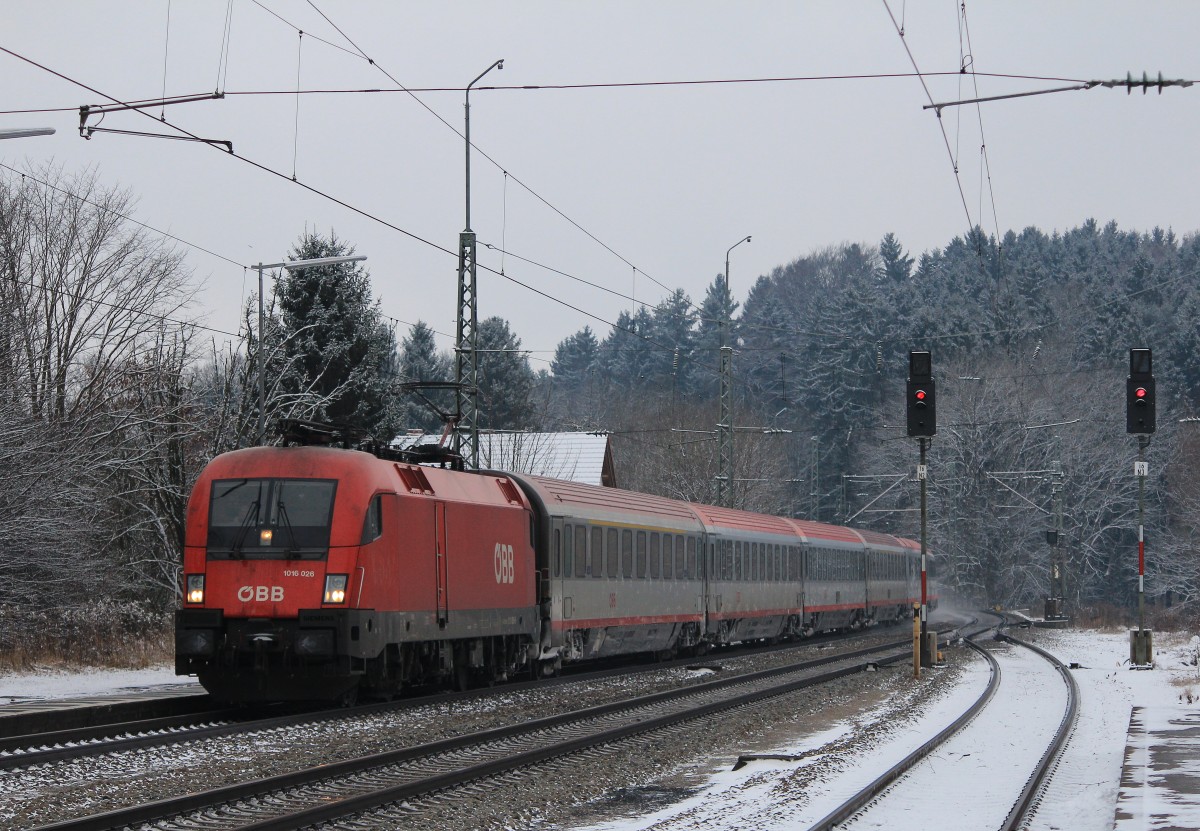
{"x":49,"y":684}
{"x":1084,"y":791}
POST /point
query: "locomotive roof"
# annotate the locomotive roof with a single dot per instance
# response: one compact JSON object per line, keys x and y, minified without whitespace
{"x":363,"y":473}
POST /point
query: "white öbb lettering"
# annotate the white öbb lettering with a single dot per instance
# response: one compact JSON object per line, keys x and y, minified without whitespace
{"x":502,"y":562}
{"x":260,"y":594}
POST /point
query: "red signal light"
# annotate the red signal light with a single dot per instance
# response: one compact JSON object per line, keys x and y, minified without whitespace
{"x":919,"y":395}
{"x":1140,"y":393}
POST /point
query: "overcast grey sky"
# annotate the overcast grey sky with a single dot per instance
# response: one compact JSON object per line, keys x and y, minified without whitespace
{"x":666,"y":177}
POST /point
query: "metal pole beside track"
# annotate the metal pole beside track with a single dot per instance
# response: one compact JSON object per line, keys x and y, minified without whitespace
{"x":262,"y":378}
{"x":921,"y":474}
{"x":1142,"y":442}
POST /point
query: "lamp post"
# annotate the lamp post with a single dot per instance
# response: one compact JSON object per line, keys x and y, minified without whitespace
{"x":291,"y":265}
{"x":25,"y":132}
{"x":466,"y":365}
{"x":725,"y":416}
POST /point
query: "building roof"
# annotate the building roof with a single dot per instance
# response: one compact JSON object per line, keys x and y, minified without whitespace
{"x":576,"y":457}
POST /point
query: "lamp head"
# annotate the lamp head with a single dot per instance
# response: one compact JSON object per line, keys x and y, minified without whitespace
{"x":500,"y":64}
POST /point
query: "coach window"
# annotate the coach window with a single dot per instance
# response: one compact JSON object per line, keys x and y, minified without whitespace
{"x":581,"y":551}
{"x":568,"y":549}
{"x":681,"y":572}
{"x":611,"y":552}
{"x":641,"y":555}
{"x":597,"y":552}
{"x":691,"y":557}
{"x":657,"y":567}
{"x":627,"y":553}
{"x":556,"y":553}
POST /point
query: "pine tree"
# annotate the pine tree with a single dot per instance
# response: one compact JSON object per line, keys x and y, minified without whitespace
{"x":505,"y":379}
{"x":421,"y":361}
{"x":338,"y":355}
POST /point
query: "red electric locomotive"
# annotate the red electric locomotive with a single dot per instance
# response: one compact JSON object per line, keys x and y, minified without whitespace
{"x":310,"y":570}
{"x":311,"y":573}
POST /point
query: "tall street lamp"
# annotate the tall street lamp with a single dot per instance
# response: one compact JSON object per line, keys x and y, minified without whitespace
{"x":725,"y":417}
{"x":466,"y":367}
{"x":25,"y":132}
{"x":290,"y":265}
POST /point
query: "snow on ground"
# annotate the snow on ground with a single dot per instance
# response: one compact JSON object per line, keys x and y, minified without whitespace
{"x":1083,"y":794}
{"x":50,"y":684}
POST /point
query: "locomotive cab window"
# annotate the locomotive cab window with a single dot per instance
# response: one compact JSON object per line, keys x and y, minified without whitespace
{"x":373,"y":524}
{"x":270,"y":519}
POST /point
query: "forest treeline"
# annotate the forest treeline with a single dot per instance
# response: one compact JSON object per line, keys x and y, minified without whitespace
{"x":112,"y":397}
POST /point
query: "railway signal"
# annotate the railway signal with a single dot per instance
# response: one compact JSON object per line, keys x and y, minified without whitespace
{"x":922,"y":395}
{"x":1139,"y":394}
{"x":1139,"y":420}
{"x":921,"y":405}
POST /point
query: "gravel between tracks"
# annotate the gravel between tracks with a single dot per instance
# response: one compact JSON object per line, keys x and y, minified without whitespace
{"x":50,"y":793}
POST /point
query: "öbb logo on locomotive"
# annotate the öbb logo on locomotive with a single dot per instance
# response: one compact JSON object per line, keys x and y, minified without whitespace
{"x":503,"y":562}
{"x":260,"y":593}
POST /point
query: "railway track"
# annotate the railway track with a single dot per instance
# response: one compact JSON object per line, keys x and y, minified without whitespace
{"x":101,"y":730}
{"x":984,"y":800}
{"x":408,"y":775}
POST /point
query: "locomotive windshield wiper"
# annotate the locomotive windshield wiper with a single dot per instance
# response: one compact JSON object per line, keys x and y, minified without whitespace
{"x":235,"y":550}
{"x":293,"y":548}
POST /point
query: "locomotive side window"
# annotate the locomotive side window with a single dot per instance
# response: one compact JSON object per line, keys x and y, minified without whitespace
{"x":270,"y":519}
{"x":627,"y":553}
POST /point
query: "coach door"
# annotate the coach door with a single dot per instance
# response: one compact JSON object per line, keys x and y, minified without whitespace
{"x":440,"y":569}
{"x":561,"y":552}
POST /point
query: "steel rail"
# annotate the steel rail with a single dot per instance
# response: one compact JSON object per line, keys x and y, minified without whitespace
{"x":170,"y":808}
{"x":1020,"y":811}
{"x":859,"y":800}
{"x":1025,"y":803}
{"x":15,"y":720}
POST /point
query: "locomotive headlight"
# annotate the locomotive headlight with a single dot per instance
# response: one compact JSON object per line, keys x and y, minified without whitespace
{"x":195,"y":588}
{"x":265,"y":536}
{"x":335,"y":588}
